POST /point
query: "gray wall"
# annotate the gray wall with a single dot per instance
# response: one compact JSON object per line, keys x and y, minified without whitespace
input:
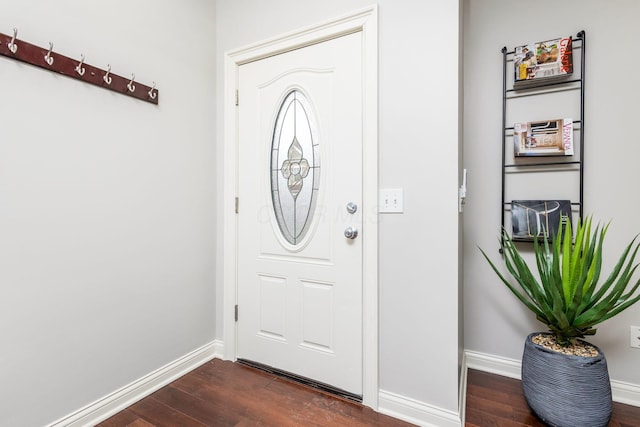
{"x":495,"y":323}
{"x":108,"y":206}
{"x":106,"y":203}
{"x":418,"y":124}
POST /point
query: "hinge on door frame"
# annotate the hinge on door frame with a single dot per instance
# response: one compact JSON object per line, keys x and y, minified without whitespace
{"x":237,"y":98}
{"x":236,"y":312}
{"x":237,"y":204}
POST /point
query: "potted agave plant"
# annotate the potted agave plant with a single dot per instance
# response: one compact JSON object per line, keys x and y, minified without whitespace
{"x":565,"y":379}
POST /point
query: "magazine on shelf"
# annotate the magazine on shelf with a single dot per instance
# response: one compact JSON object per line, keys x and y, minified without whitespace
{"x":542,"y":62}
{"x":543,"y":138}
{"x":541,"y":218}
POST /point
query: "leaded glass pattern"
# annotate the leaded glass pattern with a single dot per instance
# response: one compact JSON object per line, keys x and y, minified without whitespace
{"x":295,"y":167}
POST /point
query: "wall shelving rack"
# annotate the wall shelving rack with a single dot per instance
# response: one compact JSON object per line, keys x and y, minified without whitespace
{"x":532,"y":93}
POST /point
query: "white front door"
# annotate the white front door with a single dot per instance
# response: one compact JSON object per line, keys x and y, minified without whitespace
{"x":300,"y":283}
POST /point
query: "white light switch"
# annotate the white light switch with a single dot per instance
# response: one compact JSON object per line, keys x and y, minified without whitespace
{"x":391,"y":201}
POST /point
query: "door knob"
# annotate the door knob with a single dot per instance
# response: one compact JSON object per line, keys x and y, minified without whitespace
{"x":352,"y":207}
{"x":351,"y":233}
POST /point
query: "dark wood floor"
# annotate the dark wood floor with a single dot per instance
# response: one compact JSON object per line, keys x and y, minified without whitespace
{"x":222,"y":393}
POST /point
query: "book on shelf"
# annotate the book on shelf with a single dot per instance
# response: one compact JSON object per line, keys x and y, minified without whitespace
{"x":543,"y":138}
{"x":543,"y":62}
{"x":541,"y":218}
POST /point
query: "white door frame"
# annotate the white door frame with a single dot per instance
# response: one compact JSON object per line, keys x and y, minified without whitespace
{"x":366,"y":22}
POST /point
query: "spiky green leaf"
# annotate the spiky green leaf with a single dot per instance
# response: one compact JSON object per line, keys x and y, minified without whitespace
{"x":566,"y":294}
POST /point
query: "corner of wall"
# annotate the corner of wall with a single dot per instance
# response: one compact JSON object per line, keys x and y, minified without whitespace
{"x":115,"y":402}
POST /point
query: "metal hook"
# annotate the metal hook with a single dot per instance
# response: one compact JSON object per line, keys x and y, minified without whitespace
{"x":151,"y":92}
{"x":13,"y":47}
{"x":106,"y":77}
{"x":48,"y":58}
{"x":130,"y":85}
{"x":79,"y":68}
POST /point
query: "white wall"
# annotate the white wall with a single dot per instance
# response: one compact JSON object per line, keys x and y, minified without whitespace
{"x":419,"y":152}
{"x":418,"y":95}
{"x":495,"y":323}
{"x":107,"y":203}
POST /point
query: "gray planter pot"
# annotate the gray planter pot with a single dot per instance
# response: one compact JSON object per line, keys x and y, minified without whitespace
{"x":566,"y":391}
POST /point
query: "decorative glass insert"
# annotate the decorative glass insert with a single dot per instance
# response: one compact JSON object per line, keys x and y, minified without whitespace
{"x":295,"y":167}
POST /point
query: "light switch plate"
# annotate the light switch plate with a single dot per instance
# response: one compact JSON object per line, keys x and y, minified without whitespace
{"x":634,"y":336}
{"x":392,"y":200}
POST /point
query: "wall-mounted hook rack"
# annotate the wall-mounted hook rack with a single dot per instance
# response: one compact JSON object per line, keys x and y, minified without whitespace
{"x":48,"y":59}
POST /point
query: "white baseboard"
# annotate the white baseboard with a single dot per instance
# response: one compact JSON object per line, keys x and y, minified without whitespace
{"x":113,"y":403}
{"x":462,"y":391}
{"x":493,"y":364}
{"x":626,"y":393}
{"x":622,"y":392}
{"x":416,"y":412}
{"x":218,"y":349}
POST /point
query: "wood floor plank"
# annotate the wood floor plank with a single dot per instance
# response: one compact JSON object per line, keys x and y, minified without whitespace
{"x":123,"y":418}
{"x":140,"y":423}
{"x":194,"y":407}
{"x":226,"y":404}
{"x":160,"y":415}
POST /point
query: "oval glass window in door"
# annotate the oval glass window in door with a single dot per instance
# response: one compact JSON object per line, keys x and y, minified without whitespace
{"x":295,"y":167}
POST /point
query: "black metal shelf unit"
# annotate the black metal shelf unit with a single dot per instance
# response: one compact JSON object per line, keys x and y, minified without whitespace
{"x":574,"y":163}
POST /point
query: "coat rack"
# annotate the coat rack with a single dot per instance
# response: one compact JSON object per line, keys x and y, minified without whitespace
{"x":14,"y":48}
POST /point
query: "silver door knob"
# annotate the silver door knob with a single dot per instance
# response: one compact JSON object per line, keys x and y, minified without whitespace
{"x":351,"y":233}
{"x":352,"y":207}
